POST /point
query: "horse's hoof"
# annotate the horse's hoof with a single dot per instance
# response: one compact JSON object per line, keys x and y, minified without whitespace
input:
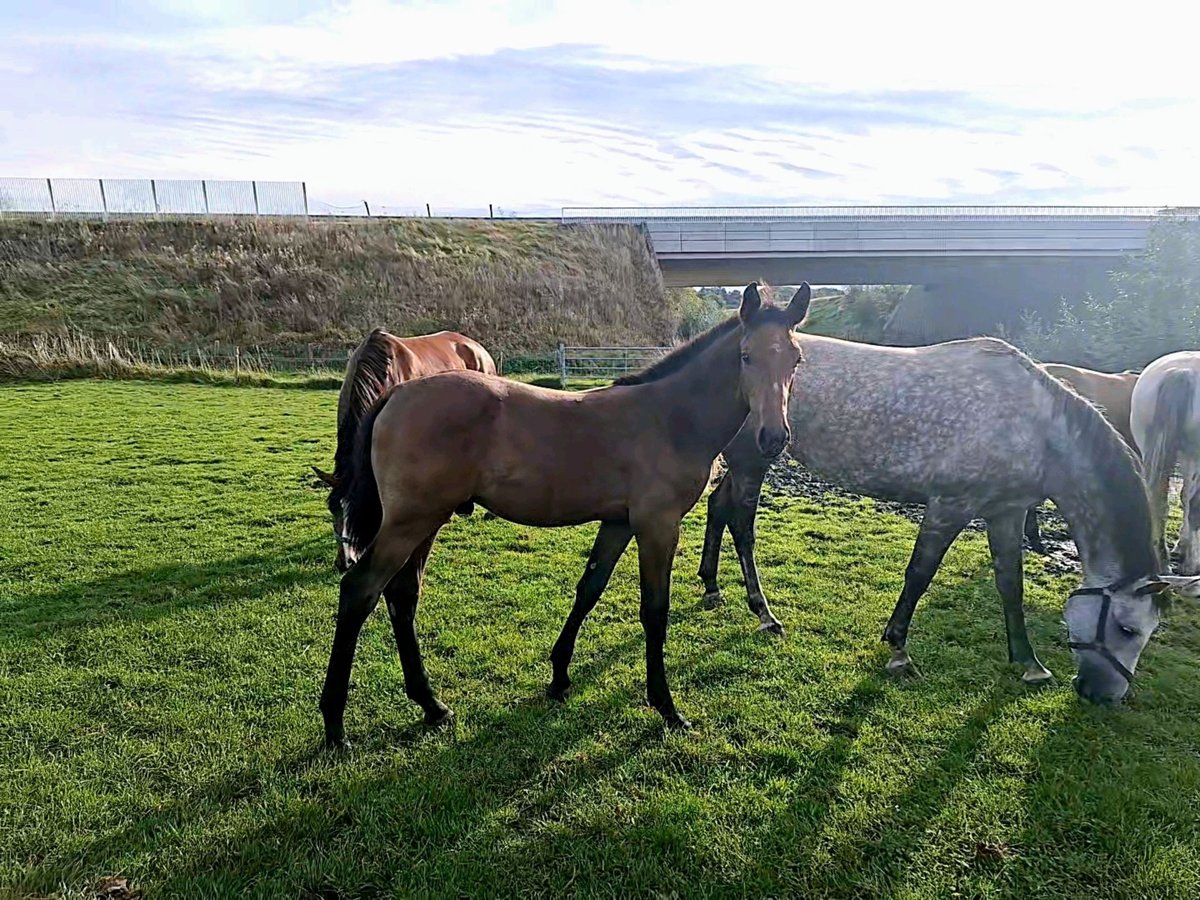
{"x":902,"y":666}
{"x":675,"y":722}
{"x":1037,"y":676}
{"x":335,"y":745}
{"x":712,"y":599}
{"x":558,"y":692}
{"x":775,"y":627}
{"x":439,"y":717}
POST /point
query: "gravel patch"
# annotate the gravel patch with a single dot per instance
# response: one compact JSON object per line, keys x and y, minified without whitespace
{"x":787,"y":478}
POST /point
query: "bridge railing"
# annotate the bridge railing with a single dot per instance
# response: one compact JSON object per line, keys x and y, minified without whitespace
{"x":697,"y":213}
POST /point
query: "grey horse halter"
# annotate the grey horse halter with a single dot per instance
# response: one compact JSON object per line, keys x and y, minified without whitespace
{"x":1097,"y":643}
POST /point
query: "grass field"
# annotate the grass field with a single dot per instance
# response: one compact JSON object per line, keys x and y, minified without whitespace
{"x":166,"y":593}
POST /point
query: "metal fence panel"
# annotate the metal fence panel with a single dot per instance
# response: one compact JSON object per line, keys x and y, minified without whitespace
{"x":231,"y":197}
{"x":25,"y":195}
{"x":181,"y":197}
{"x":77,"y":195}
{"x":281,"y":198}
{"x":129,"y":196}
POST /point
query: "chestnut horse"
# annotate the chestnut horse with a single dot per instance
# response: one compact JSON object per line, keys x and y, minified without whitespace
{"x":1112,"y":394}
{"x":379,"y":363}
{"x":635,"y":456}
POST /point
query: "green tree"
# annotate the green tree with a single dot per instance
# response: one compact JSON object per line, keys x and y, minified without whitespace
{"x":1153,"y":309}
{"x":695,"y":311}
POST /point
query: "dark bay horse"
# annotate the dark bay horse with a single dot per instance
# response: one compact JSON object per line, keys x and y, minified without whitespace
{"x":1112,"y":394}
{"x":635,"y":456}
{"x":380,"y":362}
{"x":969,"y":428}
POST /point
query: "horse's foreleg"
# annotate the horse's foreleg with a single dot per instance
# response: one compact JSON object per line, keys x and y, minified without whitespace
{"x":720,"y":513}
{"x":611,"y":541}
{"x":745,"y":511}
{"x":657,"y":540}
{"x":940,"y":525}
{"x":359,"y":594}
{"x":1033,"y":534}
{"x":1004,"y":539}
{"x":402,"y":595}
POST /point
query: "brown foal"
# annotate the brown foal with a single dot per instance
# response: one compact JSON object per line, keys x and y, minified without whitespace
{"x":379,"y":363}
{"x":635,"y":456}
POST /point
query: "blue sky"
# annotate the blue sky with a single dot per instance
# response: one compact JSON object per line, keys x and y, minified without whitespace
{"x":536,"y":105}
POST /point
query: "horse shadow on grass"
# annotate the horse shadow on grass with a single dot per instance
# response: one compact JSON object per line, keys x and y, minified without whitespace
{"x":464,"y":812}
{"x":147,"y":594}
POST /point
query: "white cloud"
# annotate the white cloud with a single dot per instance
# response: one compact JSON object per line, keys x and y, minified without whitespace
{"x":1075,"y":103}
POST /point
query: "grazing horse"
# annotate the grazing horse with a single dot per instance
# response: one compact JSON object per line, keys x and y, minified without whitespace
{"x":635,"y":456}
{"x":380,"y":362}
{"x":968,"y":428}
{"x":1112,"y":395}
{"x":1166,"y":426}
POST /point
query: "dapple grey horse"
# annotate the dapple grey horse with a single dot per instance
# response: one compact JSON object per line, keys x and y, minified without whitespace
{"x":968,"y":428}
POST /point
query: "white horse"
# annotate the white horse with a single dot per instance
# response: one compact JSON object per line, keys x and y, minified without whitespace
{"x":1165,"y":420}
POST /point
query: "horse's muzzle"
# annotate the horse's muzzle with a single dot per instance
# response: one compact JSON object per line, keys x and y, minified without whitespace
{"x":772,"y":441}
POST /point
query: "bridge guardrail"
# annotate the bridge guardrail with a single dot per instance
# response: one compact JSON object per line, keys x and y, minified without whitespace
{"x":620,"y":213}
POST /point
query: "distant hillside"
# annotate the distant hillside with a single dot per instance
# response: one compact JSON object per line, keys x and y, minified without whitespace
{"x":517,"y":286}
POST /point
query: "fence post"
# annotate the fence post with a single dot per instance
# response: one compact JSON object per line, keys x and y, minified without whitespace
{"x":50,"y":185}
{"x":304,"y":192}
{"x":561,"y":353}
{"x":428,"y":212}
{"x":237,"y":363}
{"x":154,"y":194}
{"x":491,"y":214}
{"x":254,"y":187}
{"x":204,"y":190}
{"x":367,"y":207}
{"x":103,"y":200}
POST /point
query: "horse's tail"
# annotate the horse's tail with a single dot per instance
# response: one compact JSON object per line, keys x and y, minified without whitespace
{"x":357,"y":492}
{"x":1172,"y":405}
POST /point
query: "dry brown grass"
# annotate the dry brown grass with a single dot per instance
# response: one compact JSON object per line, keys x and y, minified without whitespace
{"x":518,"y":286}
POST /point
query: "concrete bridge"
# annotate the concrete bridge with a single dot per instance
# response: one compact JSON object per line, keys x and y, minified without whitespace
{"x":975,"y":265}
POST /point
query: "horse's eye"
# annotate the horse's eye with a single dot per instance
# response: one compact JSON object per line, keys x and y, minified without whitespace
{"x":1129,"y":632}
{"x":746,"y":359}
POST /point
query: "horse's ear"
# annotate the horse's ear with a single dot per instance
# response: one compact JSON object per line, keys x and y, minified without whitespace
{"x":798,"y":308}
{"x":751,"y":303}
{"x":1183,"y":585}
{"x":325,"y":477}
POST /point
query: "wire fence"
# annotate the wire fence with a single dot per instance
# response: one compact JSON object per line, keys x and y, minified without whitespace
{"x":604,"y":362}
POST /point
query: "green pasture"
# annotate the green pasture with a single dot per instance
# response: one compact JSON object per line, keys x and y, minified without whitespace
{"x":166,"y":603}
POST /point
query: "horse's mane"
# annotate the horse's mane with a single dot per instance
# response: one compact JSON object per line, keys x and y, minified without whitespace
{"x":1115,"y":464}
{"x":681,"y":355}
{"x":366,"y":381}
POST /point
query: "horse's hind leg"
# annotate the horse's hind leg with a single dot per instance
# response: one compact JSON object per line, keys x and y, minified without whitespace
{"x":402,"y":595}
{"x":611,"y":541}
{"x":1004,"y":539}
{"x":940,"y":525}
{"x":1033,"y":533}
{"x":360,"y":590}
{"x":1187,"y":549}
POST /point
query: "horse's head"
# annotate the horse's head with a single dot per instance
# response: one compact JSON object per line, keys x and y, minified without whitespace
{"x":346,"y":555}
{"x":770,"y":354}
{"x":1109,"y":627}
